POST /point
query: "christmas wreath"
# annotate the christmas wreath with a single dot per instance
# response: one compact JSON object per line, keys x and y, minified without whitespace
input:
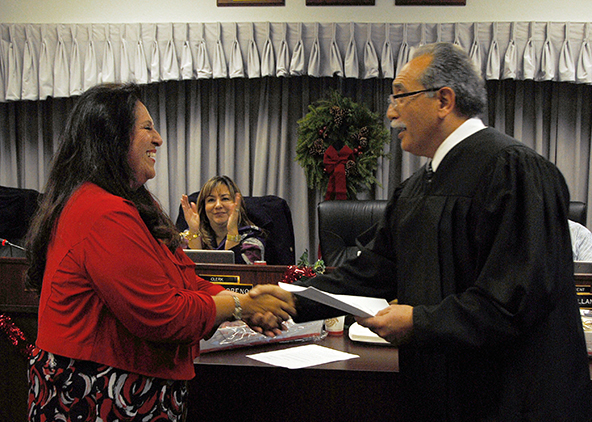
{"x":339,"y":142}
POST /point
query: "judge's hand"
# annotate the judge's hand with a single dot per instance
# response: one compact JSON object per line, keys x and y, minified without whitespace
{"x":394,"y":324}
{"x":190,"y":213}
{"x":274,"y":290}
{"x":266,"y":319}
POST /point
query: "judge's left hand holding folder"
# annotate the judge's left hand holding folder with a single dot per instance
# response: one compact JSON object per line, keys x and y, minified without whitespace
{"x":394,"y":323}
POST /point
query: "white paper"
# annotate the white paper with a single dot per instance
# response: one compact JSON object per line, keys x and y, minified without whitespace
{"x":358,"y":333}
{"x":361,"y":306}
{"x":302,"y":356}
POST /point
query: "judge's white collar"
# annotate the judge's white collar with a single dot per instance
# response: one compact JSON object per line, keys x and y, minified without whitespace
{"x":465,"y":130}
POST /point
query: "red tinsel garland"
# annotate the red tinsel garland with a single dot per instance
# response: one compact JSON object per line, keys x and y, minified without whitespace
{"x":15,"y":335}
{"x":294,"y":273}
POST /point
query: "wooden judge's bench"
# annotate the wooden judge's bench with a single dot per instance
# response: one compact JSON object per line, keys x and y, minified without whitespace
{"x":363,"y":388}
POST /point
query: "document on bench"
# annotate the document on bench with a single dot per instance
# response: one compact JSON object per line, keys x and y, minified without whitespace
{"x":302,"y":356}
{"x":361,"y":306}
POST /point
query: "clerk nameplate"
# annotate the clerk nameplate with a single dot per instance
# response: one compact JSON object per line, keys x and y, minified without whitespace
{"x":229,"y":282}
{"x":584,"y":295}
{"x":215,"y":278}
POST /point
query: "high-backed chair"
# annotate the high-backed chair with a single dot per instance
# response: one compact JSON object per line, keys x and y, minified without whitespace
{"x":341,"y":222}
{"x":17,"y":207}
{"x":577,"y":212}
{"x":272,"y":214}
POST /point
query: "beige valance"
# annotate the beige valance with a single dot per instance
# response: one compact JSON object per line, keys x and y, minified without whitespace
{"x":62,"y":60}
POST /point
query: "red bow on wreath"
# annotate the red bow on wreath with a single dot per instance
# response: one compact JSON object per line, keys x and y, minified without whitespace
{"x":335,"y":166}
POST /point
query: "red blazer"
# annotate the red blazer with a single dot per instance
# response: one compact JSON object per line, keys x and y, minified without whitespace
{"x":113,"y":294}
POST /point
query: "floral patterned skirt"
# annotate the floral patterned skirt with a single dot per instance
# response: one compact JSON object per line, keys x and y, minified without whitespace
{"x":64,"y":389}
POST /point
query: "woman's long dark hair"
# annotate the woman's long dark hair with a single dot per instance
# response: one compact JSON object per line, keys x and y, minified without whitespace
{"x":94,"y":148}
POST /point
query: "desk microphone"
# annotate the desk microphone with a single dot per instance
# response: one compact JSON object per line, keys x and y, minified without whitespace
{"x":5,"y":242}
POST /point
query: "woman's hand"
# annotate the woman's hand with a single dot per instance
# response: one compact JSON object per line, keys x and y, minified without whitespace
{"x":190,"y":213}
{"x":267,"y":307}
{"x":234,"y":215}
{"x":267,"y":322}
{"x":265,"y":312}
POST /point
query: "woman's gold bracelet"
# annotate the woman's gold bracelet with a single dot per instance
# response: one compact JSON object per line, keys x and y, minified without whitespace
{"x":234,"y":238}
{"x":190,"y":236}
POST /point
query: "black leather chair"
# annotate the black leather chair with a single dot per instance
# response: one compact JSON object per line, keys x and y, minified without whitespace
{"x":577,"y":212}
{"x":17,"y":207}
{"x":341,"y":222}
{"x":272,"y":214}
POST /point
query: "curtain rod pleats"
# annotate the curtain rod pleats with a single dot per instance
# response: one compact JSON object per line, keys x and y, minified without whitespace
{"x":62,"y":60}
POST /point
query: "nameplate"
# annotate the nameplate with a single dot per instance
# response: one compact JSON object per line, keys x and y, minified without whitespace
{"x":215,"y":278}
{"x":584,"y":295}
{"x":229,"y":282}
{"x":241,"y":289}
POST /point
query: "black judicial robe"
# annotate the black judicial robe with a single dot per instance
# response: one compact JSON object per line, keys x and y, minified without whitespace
{"x":481,"y":250}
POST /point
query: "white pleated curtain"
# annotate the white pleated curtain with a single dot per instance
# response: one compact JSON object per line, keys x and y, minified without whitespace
{"x":226,"y":97}
{"x":59,"y":60}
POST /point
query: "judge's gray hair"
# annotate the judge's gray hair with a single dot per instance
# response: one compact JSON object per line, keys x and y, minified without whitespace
{"x":452,"y":67}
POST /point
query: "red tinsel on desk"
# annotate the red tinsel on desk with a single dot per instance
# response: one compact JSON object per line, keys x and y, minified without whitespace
{"x":303,"y":269}
{"x":16,"y":336}
{"x":294,"y":273}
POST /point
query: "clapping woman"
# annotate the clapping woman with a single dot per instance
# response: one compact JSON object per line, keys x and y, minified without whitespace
{"x":219,"y":221}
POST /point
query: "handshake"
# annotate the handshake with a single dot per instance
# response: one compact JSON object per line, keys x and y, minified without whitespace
{"x":266,"y":307}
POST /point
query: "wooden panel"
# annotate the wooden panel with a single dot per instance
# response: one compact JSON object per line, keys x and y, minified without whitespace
{"x":430,"y":2}
{"x":21,"y":306}
{"x":583,"y":279}
{"x":249,"y":274}
{"x":250,"y":3}
{"x":340,"y":2}
{"x":13,"y":295}
{"x":363,"y":388}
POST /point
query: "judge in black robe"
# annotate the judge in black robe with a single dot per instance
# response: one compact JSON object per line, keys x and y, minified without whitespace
{"x":480,"y":251}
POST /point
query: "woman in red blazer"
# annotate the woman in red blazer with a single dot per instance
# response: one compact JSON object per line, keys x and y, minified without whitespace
{"x":121,"y":310}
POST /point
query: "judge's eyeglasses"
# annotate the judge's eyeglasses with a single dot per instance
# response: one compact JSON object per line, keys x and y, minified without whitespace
{"x":394,"y":99}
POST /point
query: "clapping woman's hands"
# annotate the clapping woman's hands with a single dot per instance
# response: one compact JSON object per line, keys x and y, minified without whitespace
{"x":234,"y":215}
{"x":190,"y":213}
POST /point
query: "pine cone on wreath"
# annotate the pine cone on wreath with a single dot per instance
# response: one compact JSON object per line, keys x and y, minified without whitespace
{"x":317,"y":148}
{"x":363,"y":142}
{"x":338,"y":114}
{"x":351,"y":168}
